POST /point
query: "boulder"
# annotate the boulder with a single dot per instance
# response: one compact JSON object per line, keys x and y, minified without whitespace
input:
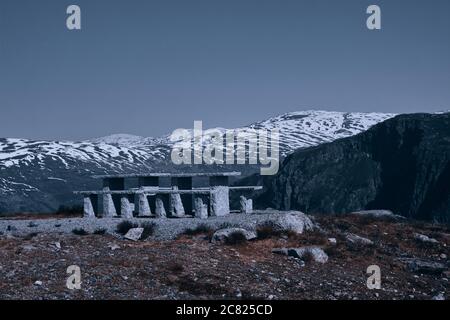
{"x":317,"y":253}
{"x":134,"y":234}
{"x":424,"y":238}
{"x":379,"y":214}
{"x":423,"y":266}
{"x":294,"y":221}
{"x":223,"y":234}
{"x":28,"y":247}
{"x":332,"y":241}
{"x":281,"y":251}
{"x":357,"y":240}
{"x":113,"y":246}
{"x":439,"y":297}
{"x":56,"y":245}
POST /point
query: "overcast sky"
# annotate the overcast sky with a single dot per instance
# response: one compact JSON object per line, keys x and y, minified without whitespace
{"x":147,"y":67}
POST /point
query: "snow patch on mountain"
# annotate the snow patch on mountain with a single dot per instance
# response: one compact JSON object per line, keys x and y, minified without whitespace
{"x":39,"y":175}
{"x":120,"y":139}
{"x":119,"y":151}
{"x":303,"y":129}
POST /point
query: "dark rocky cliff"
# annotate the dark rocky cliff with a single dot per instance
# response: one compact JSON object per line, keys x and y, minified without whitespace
{"x":401,"y":164}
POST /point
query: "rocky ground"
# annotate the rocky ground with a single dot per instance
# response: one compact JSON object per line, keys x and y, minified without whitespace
{"x":412,"y":256}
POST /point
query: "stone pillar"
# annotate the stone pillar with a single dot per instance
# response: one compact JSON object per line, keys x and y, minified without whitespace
{"x":246,"y":205}
{"x":160,"y":211}
{"x":149,"y":182}
{"x":95,"y":204}
{"x":115,"y":184}
{"x":143,"y":206}
{"x":201,"y":209}
{"x":88,"y":209}
{"x":126,"y":210}
{"x":220,"y":201}
{"x":176,"y":205}
{"x":109,"y":210}
{"x":184,"y":183}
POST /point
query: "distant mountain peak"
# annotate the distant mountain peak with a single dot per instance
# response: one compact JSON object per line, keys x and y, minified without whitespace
{"x":26,"y":165}
{"x":118,"y":139}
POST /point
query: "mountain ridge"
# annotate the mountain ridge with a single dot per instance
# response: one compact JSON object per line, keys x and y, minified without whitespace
{"x":40,"y":175}
{"x":401,"y":164}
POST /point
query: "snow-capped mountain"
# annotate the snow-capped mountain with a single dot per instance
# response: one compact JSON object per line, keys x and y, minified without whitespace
{"x":40,"y":175}
{"x":303,"y":129}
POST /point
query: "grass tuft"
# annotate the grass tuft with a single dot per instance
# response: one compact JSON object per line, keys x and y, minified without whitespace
{"x":100,"y":231}
{"x":79,"y":232}
{"x":124,"y":226}
{"x":149,"y":229}
{"x":236,"y":238}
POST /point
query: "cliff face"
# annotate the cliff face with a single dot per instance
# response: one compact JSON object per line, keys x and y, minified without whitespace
{"x":402,"y":164}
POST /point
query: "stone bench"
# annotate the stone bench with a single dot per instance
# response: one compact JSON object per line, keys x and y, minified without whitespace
{"x":218,"y":198}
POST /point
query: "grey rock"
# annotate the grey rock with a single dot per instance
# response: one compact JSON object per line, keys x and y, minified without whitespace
{"x":134,"y":234}
{"x":439,"y":297}
{"x":332,"y":241}
{"x":223,"y":234}
{"x":423,"y":266}
{"x":424,"y":238}
{"x":281,"y":251}
{"x":316,"y":253}
{"x":294,"y":221}
{"x":113,"y":246}
{"x":358,"y":240}
{"x":378,"y":214}
{"x":28,"y":247}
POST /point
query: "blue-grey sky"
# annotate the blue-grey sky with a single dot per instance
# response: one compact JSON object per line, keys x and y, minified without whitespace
{"x":147,"y":67}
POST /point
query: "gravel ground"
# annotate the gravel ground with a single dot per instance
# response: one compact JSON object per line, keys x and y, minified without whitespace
{"x":166,"y":229}
{"x":193,"y":267}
